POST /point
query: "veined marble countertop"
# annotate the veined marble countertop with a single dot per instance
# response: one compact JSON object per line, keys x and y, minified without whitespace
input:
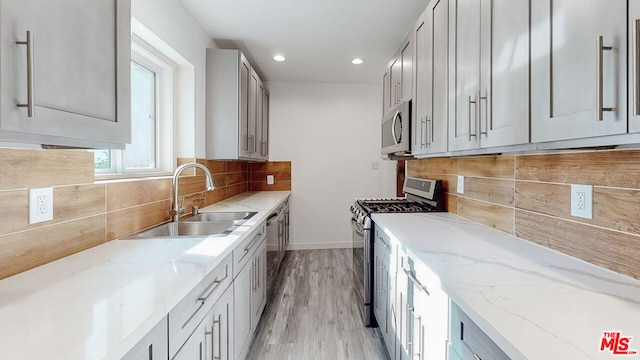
{"x":98,"y":303}
{"x":535,"y":303}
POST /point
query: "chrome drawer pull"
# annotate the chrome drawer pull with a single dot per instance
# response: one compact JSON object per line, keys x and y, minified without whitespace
{"x":216,"y":284}
{"x":599,"y":78}
{"x":31,"y":102}
{"x":416,"y":281}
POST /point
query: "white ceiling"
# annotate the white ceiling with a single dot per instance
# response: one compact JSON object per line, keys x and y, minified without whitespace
{"x":318,"y":37}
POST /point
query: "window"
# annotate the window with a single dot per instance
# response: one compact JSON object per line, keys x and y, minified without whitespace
{"x":151,"y":147}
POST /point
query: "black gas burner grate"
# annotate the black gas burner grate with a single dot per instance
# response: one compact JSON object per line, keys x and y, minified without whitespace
{"x":393,"y":206}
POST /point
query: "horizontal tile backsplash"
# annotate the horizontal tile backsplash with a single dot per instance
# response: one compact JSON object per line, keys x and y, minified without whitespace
{"x":89,"y":213}
{"x":529,"y":196}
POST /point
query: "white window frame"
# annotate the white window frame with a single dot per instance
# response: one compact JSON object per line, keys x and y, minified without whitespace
{"x":166,"y":71}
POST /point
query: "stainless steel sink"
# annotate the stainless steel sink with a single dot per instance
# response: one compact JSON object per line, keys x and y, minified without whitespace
{"x":239,"y":217}
{"x":192,"y":229}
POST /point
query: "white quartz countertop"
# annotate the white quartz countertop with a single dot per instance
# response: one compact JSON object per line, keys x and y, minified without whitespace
{"x":534,"y":303}
{"x":97,"y":304}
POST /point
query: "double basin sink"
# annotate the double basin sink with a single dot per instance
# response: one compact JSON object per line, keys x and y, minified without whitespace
{"x":203,"y":224}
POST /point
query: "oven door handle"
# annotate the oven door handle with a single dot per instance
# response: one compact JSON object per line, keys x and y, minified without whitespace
{"x":357,"y":227}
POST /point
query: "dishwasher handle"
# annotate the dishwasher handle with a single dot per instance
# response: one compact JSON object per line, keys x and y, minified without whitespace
{"x":272,"y":218}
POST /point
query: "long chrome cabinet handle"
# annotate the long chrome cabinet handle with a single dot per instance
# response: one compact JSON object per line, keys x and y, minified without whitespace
{"x":31,"y":99}
{"x":219,"y":323}
{"x":599,"y":80}
{"x":416,"y":281}
{"x":470,"y":102}
{"x":216,"y":284}
{"x":248,"y":247}
{"x":486,"y":114}
{"x":636,"y":67}
{"x":429,"y":138}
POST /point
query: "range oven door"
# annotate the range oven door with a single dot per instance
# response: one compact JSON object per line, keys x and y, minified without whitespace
{"x":362,"y":270}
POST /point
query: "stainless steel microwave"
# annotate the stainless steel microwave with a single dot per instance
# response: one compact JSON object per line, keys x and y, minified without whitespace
{"x":396,"y":139}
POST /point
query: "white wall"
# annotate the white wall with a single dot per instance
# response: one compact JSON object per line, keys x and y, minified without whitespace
{"x":174,"y":24}
{"x":331,"y":134}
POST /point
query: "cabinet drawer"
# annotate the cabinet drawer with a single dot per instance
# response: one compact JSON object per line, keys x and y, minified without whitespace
{"x":469,"y":340}
{"x":153,"y":346}
{"x":244,"y":251}
{"x":185,"y":317}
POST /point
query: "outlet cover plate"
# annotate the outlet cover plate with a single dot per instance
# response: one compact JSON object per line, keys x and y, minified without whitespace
{"x":270,"y":180}
{"x":40,"y":205}
{"x":582,"y":201}
{"x":460,"y":184}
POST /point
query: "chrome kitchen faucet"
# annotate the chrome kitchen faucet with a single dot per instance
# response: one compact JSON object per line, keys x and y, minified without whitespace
{"x":178,"y":209}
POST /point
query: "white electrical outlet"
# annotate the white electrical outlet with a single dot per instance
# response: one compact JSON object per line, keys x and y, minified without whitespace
{"x":375,"y":165}
{"x":40,"y":205}
{"x":582,"y":201}
{"x":460,"y":184}
{"x":270,"y":180}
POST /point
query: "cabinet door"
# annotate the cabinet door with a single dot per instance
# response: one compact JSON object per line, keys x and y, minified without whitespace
{"x":195,"y":348}
{"x":438,"y":122}
{"x":258,"y":288}
{"x":504,"y":82}
{"x":259,"y":114}
{"x":254,"y":87}
{"x":81,"y":72}
{"x":395,"y":71}
{"x":221,"y":323}
{"x":386,"y":93}
{"x":406,"y":56}
{"x":464,"y":22}
{"x":422,"y":95}
{"x":565,"y":76}
{"x":153,"y":346}
{"x":264,"y":145}
{"x":242,"y":288}
{"x":381,"y":291}
{"x":245,"y":106}
{"x":634,"y":66}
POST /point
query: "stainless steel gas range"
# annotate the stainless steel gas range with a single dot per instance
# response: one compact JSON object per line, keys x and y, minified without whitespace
{"x":422,"y":195}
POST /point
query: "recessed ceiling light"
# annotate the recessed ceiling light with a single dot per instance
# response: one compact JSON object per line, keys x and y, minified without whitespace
{"x":357,"y":61}
{"x":279,"y":58}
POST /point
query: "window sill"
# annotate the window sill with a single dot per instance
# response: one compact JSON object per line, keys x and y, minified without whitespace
{"x":131,"y":176}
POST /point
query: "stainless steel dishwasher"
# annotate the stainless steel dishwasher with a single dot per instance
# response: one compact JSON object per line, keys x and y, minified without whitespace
{"x":277,"y":241}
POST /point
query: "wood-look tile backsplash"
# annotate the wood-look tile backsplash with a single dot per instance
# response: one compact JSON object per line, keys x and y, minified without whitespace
{"x":530,"y":196}
{"x":89,"y":213}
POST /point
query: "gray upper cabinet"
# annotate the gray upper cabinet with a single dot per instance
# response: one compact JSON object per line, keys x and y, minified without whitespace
{"x":398,"y":81}
{"x":430,"y":97}
{"x":489,"y":73}
{"x":264,"y":141}
{"x":235,"y":107}
{"x":74,"y":72}
{"x":634,"y":66}
{"x":578,"y":77}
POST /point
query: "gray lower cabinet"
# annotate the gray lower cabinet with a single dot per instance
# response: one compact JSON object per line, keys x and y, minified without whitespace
{"x":468,"y":341}
{"x":68,"y":82}
{"x":154,"y":345}
{"x":578,"y":58}
{"x":212,"y":338}
{"x":382,"y":295}
{"x":249,"y":288}
{"x":186,"y":318}
{"x":236,"y":99}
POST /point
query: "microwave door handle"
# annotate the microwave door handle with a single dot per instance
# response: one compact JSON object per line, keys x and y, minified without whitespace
{"x":393,"y":127}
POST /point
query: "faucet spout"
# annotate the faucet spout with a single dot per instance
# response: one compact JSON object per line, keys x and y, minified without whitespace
{"x":178,"y":209}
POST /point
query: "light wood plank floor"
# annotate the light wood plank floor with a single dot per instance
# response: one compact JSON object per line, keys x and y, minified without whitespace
{"x":313,"y":314}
